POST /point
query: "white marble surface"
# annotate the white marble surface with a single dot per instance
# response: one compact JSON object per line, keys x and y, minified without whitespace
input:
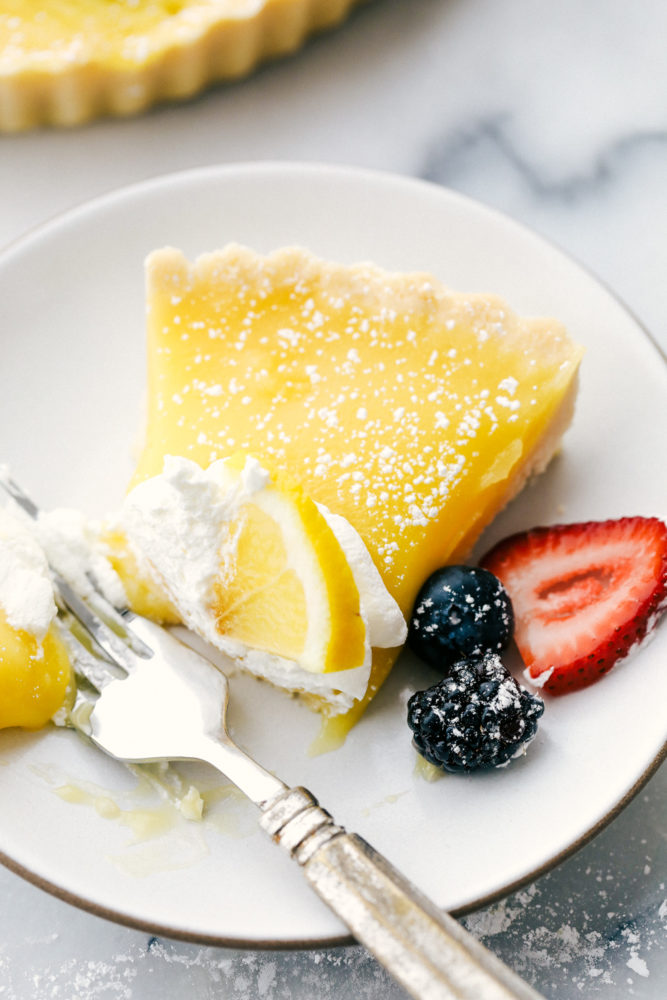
{"x":557,"y":115}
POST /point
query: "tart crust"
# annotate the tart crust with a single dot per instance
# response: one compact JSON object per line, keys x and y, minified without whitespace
{"x":76,"y":65}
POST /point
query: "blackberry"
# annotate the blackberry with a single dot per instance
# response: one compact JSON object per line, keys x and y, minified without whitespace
{"x":461,"y":612}
{"x":477,"y":717}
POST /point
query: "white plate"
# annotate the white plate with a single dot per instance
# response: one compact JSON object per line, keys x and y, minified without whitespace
{"x":70,"y":400}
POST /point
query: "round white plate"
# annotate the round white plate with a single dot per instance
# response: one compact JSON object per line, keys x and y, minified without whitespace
{"x":71,"y":386}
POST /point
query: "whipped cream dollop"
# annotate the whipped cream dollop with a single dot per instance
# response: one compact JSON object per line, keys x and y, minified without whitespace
{"x":72,"y":545}
{"x":26,"y":591}
{"x":63,"y":540}
{"x":175,"y":524}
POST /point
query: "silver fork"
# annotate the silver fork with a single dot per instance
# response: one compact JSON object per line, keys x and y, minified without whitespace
{"x":157,"y":700}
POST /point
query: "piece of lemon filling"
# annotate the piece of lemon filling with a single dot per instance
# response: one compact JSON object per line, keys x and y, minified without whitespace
{"x":35,"y":676}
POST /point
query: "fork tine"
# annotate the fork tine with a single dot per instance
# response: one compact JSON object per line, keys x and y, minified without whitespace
{"x":118,"y":621}
{"x":89,"y":662}
{"x":111,"y":645}
{"x":116,"y":646}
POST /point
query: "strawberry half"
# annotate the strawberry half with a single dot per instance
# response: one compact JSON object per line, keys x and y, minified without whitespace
{"x":584,"y":595}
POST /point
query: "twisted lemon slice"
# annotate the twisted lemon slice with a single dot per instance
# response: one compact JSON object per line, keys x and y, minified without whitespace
{"x":289,"y":589}
{"x":413,"y":412}
{"x":250,"y":563}
{"x":64,"y":63}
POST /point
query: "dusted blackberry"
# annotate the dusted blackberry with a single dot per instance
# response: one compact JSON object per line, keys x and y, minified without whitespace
{"x":477,"y":717}
{"x":461,"y":612}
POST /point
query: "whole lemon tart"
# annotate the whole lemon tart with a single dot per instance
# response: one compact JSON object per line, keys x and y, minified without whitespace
{"x":67,"y":62}
{"x":408,"y":415}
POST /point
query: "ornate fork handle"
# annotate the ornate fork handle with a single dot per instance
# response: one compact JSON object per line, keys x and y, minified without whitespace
{"x":425,"y":950}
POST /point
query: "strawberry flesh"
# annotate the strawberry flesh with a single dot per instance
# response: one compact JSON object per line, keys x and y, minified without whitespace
{"x":584,"y":595}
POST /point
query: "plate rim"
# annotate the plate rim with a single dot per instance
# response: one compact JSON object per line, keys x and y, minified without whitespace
{"x":334,"y":941}
{"x":17,"y":244}
{"x":49,"y":226}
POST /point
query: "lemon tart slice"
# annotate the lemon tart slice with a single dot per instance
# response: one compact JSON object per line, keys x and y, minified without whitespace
{"x":410,"y":412}
{"x":65,"y":63}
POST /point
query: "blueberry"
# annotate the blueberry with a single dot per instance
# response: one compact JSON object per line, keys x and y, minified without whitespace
{"x":461,"y":612}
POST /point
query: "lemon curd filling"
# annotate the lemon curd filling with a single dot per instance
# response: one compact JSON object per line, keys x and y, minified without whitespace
{"x":142,"y":593}
{"x":251,"y":564}
{"x":65,"y":62}
{"x":34,"y":677}
{"x":34,"y":663}
{"x":413,"y":412}
{"x":115,"y":32}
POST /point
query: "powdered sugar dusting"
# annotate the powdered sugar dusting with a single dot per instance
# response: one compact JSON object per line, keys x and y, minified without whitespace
{"x":571,"y":934}
{"x":315,"y":362}
{"x":594,"y":927}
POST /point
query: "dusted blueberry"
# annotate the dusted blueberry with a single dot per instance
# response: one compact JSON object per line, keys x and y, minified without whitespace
{"x":485,"y":722}
{"x":461,"y":612}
